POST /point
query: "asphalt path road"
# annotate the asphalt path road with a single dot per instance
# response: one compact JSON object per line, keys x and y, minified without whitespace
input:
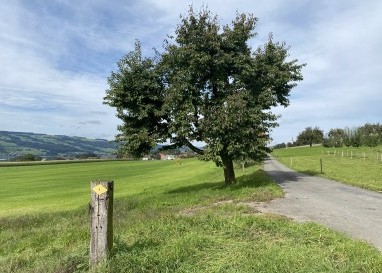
{"x":354,"y":211}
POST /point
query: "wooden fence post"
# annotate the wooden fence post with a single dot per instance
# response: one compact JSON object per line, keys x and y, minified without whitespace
{"x":321,"y":165}
{"x":101,"y":220}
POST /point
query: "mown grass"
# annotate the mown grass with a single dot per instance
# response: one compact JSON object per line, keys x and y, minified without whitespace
{"x":167,"y":218}
{"x":360,"y":167}
{"x":52,"y":162}
{"x":50,"y":188}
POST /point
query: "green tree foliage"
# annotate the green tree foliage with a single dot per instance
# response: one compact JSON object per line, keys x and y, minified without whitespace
{"x":371,"y":134}
{"x":280,"y":146}
{"x":87,"y":155}
{"x":354,"y":137}
{"x":367,"y":135}
{"x":347,"y":138}
{"x":310,"y":136}
{"x":336,"y":138}
{"x":208,"y":85}
{"x":27,"y":157}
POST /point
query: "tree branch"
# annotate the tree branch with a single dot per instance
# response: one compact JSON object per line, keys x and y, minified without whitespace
{"x":183,"y":142}
{"x":192,"y":147}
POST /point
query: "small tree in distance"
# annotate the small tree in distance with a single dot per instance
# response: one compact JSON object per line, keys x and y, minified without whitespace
{"x":208,"y":86}
{"x":310,"y":136}
{"x":336,"y":138}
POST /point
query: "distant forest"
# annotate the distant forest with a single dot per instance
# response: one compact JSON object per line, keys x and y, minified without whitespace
{"x":369,"y":135}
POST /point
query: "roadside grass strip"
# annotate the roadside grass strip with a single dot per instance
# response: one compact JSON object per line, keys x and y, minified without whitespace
{"x":360,"y":167}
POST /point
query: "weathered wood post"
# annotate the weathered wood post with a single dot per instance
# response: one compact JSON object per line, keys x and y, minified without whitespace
{"x":321,"y":165}
{"x":101,"y":220}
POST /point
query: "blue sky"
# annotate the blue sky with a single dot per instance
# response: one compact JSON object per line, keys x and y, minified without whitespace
{"x":56,"y":56}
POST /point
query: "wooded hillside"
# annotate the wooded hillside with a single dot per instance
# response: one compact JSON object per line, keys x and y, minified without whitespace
{"x":13,"y":144}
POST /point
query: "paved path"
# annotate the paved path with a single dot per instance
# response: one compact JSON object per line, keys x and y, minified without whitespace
{"x":352,"y":210}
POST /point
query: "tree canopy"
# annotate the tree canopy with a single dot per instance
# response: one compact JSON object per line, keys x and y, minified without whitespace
{"x":207,"y":86}
{"x":336,"y":138}
{"x":367,"y":135}
{"x":310,"y":136}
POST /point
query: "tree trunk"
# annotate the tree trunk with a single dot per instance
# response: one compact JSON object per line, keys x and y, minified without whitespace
{"x":229,"y":172}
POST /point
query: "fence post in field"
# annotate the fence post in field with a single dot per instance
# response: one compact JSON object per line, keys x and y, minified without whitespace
{"x":321,"y":165}
{"x":351,"y":154}
{"x":101,"y":220}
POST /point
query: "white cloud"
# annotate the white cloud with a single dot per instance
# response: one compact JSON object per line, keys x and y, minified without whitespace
{"x":56,"y":55}
{"x":341,"y":86}
{"x":36,"y":95}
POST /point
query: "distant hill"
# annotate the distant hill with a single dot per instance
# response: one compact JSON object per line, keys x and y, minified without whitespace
{"x":13,"y":144}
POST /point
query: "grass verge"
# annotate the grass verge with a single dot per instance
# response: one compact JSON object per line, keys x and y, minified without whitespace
{"x":360,"y":167}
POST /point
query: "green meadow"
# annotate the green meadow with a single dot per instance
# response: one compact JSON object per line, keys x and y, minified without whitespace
{"x":361,"y":167}
{"x":168,"y":217}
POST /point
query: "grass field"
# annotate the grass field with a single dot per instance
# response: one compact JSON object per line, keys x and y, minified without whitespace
{"x":167,"y":218}
{"x":360,"y":167}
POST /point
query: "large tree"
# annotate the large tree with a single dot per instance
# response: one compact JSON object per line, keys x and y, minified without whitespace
{"x":207,"y":86}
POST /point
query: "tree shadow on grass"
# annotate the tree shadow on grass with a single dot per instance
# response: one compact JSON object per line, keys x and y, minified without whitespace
{"x":199,"y":187}
{"x":253,"y":180}
{"x":311,"y":173}
{"x":119,"y":246}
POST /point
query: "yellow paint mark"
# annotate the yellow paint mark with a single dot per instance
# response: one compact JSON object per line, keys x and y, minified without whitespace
{"x":99,"y":189}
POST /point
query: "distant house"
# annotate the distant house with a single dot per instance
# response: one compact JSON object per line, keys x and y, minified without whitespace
{"x":171,"y":157}
{"x":166,"y":157}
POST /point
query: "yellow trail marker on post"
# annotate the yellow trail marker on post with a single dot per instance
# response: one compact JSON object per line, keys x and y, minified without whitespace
{"x":101,"y":220}
{"x":99,"y":189}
